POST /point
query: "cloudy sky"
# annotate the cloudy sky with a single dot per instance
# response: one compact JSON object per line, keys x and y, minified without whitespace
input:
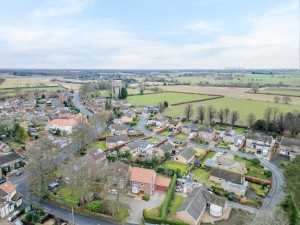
{"x":149,"y":34}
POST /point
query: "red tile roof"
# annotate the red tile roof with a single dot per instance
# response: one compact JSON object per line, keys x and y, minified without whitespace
{"x":142,"y":175}
{"x":63,"y":122}
{"x":7,"y":187}
{"x":162,"y":181}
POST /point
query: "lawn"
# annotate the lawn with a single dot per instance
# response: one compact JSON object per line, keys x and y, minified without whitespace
{"x":202,"y":173}
{"x":171,"y":98}
{"x":281,"y":91}
{"x":257,"y":175}
{"x":165,"y":133}
{"x":258,"y":189}
{"x":176,"y":203}
{"x":182,"y":136}
{"x":243,"y":106}
{"x":153,"y":139}
{"x":246,"y":161}
{"x":65,"y":192}
{"x":176,"y":165}
{"x":209,"y":155}
{"x":98,"y":144}
{"x":204,"y":181}
{"x":58,"y":172}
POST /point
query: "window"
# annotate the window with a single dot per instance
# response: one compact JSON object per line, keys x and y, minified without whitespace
{"x":141,"y":184}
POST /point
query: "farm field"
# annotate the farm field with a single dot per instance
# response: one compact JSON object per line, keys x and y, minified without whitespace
{"x":49,"y":89}
{"x":137,"y":91}
{"x":227,"y":92}
{"x":281,"y":91}
{"x":26,"y":82}
{"x":71,"y":86}
{"x":171,"y":98}
{"x":243,"y":106}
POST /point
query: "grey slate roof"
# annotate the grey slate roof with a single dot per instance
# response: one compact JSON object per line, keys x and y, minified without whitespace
{"x":227,"y":175}
{"x":166,"y":147}
{"x":9,"y":157}
{"x":194,"y":203}
{"x":289,"y":142}
{"x":188,"y":153}
{"x":139,"y":144}
{"x":114,"y":139}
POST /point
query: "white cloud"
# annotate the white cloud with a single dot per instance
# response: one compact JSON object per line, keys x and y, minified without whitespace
{"x":204,"y":26}
{"x":271,"y":42}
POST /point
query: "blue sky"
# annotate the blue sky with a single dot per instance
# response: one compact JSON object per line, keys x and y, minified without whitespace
{"x":149,"y":34}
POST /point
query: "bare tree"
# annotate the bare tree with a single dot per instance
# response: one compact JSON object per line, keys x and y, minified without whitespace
{"x":83,"y":134}
{"x":281,"y":122}
{"x":211,"y":110}
{"x":201,"y":113}
{"x":255,"y":88}
{"x":221,"y":115}
{"x":104,"y":118}
{"x":234,"y":117}
{"x":188,"y":111}
{"x":293,"y":122}
{"x":286,"y":99}
{"x":275,"y":116}
{"x":156,"y":90}
{"x":268,"y":117}
{"x":227,"y":112}
{"x":276,"y":99}
{"x":251,"y":119}
{"x":41,"y":166}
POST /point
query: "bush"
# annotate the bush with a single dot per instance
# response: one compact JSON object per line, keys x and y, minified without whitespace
{"x":268,"y":173}
{"x":146,"y":197}
{"x":255,"y":162}
{"x":35,"y":218}
{"x":169,"y":197}
{"x":95,"y":206}
{"x":28,"y":217}
{"x":72,"y":200}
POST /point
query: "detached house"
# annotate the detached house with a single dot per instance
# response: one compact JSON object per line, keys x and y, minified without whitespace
{"x":66,"y":125}
{"x":97,"y":159}
{"x":186,"y":155}
{"x":138,"y":146}
{"x":259,"y":143}
{"x":190,"y":128}
{"x":119,"y":129}
{"x":145,"y":181}
{"x":192,"y":209}
{"x":230,"y":181}
{"x":290,"y":147}
{"x":128,"y":117}
{"x":115,"y":141}
{"x":10,"y":162}
{"x":206,"y":133}
{"x":9,"y":199}
{"x":164,"y":148}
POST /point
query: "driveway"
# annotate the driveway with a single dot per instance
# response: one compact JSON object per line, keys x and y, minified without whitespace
{"x":137,"y":206}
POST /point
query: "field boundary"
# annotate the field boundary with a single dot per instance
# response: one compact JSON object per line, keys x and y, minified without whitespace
{"x":41,"y":87}
{"x":259,"y":93}
{"x":200,"y":100}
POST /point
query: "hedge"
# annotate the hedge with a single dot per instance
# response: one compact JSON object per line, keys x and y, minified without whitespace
{"x":168,"y":199}
{"x":157,"y":220}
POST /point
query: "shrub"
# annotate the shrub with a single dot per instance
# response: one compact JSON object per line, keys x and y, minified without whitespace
{"x":72,"y":200}
{"x":95,"y":206}
{"x":35,"y":218}
{"x":169,"y":197}
{"x":146,"y":197}
{"x":28,"y":217}
{"x":268,"y":173}
{"x":255,"y":162}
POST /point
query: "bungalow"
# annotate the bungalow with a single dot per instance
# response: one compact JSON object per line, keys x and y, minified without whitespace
{"x":119,"y":129}
{"x":164,"y":148}
{"x":239,"y":141}
{"x":128,"y":117}
{"x":229,"y":136}
{"x":290,"y":147}
{"x":9,"y":199}
{"x":119,"y":175}
{"x":174,"y":124}
{"x":66,"y":125}
{"x":205,"y":133}
{"x":96,"y":159}
{"x":10,"y":162}
{"x":194,"y":206}
{"x":186,"y":155}
{"x":4,"y":148}
{"x":138,"y":146}
{"x":190,"y":128}
{"x":259,"y":143}
{"x":230,"y":181}
{"x":114,"y":141}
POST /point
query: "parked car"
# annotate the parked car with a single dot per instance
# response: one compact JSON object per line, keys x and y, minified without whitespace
{"x":13,"y":216}
{"x":112,"y":191}
{"x":18,"y":222}
{"x":19,"y":173}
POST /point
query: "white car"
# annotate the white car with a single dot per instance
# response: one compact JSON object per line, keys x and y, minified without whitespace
{"x":112,"y":191}
{"x":13,"y":216}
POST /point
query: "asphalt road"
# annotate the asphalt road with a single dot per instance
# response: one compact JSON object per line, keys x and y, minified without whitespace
{"x":275,"y":195}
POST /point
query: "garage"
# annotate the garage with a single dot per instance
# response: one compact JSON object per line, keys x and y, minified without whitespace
{"x":162,"y":183}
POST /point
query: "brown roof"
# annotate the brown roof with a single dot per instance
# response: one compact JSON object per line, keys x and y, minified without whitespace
{"x":63,"y":122}
{"x":8,"y":187}
{"x":227,"y":175}
{"x":97,"y":154}
{"x":163,"y":181}
{"x":142,"y":175}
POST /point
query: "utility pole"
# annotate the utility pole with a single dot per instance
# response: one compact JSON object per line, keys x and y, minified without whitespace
{"x":73,"y":219}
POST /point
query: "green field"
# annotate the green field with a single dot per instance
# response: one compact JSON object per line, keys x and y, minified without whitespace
{"x":32,"y":89}
{"x":171,"y":98}
{"x":137,"y":91}
{"x":243,"y":106}
{"x":281,"y":91}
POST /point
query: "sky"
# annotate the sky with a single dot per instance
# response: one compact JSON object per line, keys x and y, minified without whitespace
{"x":149,"y":34}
